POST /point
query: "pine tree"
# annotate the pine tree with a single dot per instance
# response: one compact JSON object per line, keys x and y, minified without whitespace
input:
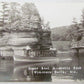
{"x":4,"y":12}
{"x":82,"y":20}
{"x":14,"y":13}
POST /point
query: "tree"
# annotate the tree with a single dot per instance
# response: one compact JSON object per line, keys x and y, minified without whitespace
{"x":4,"y":12}
{"x":30,"y":16}
{"x":74,"y":31}
{"x":14,"y":13}
{"x":25,"y":19}
{"x":45,"y":26}
{"x":82,"y":20}
{"x":29,"y":9}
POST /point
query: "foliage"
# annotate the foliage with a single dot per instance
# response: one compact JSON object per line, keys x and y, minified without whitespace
{"x":82,"y":20}
{"x":14,"y":12}
{"x":74,"y":32}
{"x":57,"y":37}
{"x":24,"y":17}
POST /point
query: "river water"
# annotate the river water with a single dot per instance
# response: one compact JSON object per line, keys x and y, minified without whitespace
{"x":68,"y":66}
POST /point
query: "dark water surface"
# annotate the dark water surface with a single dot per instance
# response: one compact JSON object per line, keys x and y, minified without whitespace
{"x":68,"y":66}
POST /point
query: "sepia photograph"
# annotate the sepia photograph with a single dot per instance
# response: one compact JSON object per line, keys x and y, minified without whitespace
{"x":42,"y":41}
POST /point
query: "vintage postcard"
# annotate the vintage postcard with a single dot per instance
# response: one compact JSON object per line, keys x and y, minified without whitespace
{"x":42,"y":41}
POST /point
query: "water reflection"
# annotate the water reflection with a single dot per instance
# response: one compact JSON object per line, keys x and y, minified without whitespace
{"x":64,"y":69}
{"x":33,"y":73}
{"x":79,"y":57}
{"x":49,"y":71}
{"x":6,"y":70}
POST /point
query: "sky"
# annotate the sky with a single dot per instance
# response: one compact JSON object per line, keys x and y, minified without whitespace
{"x":58,"y":12}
